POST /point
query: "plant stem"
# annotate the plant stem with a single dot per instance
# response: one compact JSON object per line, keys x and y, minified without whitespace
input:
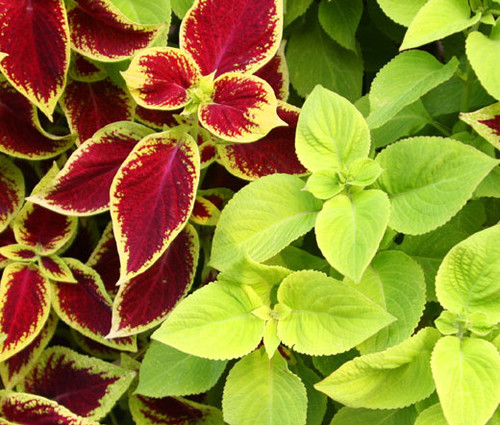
{"x":441,"y":128}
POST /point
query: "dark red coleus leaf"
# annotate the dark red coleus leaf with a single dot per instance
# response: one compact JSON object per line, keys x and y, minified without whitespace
{"x":275,"y":72}
{"x":160,"y":120}
{"x":24,"y":307}
{"x":89,"y":106}
{"x":82,"y":186}
{"x":56,"y":269}
{"x":232,"y":35}
{"x":145,"y":300}
{"x":35,"y":35}
{"x":11,"y":191}
{"x":93,"y":348}
{"x":204,"y":212}
{"x":87,"y":386}
{"x":493,"y":124}
{"x":86,"y":306}
{"x":86,"y":239}
{"x":18,"y":252}
{"x":154,"y":191}
{"x":6,"y":238}
{"x":84,"y":69}
{"x":275,"y":153}
{"x":100,"y":31}
{"x":20,"y":131}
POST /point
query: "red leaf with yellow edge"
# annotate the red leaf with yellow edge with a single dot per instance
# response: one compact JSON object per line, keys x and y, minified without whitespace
{"x":6,"y":238}
{"x":18,"y":252}
{"x":154,"y":191}
{"x":486,"y":121}
{"x":275,"y":153}
{"x":35,"y":35}
{"x":232,"y":35}
{"x":144,"y":302}
{"x":24,"y":306}
{"x":242,"y":108}
{"x":160,"y":78}
{"x":204,"y":212}
{"x":87,"y":106}
{"x":44,"y":230}
{"x":20,"y":130}
{"x":93,"y":348}
{"x":100,"y":31}
{"x":11,"y":191}
{"x":86,"y":306}
{"x":87,"y":386}
{"x":22,"y":408}
{"x":84,"y":69}
{"x":275,"y":72}
{"x":82,"y":186}
{"x":159,"y":120}
{"x":15,"y":368}
{"x":56,"y":269}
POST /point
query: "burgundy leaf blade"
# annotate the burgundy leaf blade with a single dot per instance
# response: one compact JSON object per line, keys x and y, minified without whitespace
{"x":11,"y":191}
{"x":204,"y":212}
{"x":6,"y":238}
{"x":155,"y":118}
{"x":84,"y":69}
{"x":275,"y":72}
{"x":486,"y":121}
{"x":56,"y":269}
{"x":18,"y":252}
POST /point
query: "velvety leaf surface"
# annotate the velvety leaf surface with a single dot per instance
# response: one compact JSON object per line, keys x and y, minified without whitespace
{"x":87,"y":106}
{"x":275,"y":72}
{"x":274,"y":153}
{"x":86,"y":307}
{"x":56,"y":269}
{"x":232,"y":35}
{"x":82,"y":186}
{"x":87,"y":386}
{"x":486,"y":122}
{"x":24,"y":306}
{"x":242,"y":108}
{"x":145,"y":301}
{"x":11,"y":191}
{"x":38,"y":30}
{"x":154,"y":190}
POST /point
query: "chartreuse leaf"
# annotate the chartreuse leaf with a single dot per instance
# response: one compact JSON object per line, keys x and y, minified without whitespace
{"x":215,"y":322}
{"x":439,"y":176}
{"x":432,"y":416}
{"x":396,"y":283}
{"x":350,"y":416}
{"x":438,"y":19}
{"x":316,"y":401}
{"x":363,"y":172}
{"x":392,"y":90}
{"x":486,"y":122}
{"x":401,"y":12}
{"x":263,"y":391}
{"x":145,"y":11}
{"x":180,"y":7}
{"x":340,"y":20}
{"x":350,"y":228}
{"x":324,"y":184}
{"x":11,"y":191}
{"x":467,"y":280}
{"x":318,"y":315}
{"x":166,"y":371}
{"x":391,"y":379}
{"x":331,"y":132}
{"x":484,"y":55}
{"x":467,"y":376}
{"x":262,"y":219}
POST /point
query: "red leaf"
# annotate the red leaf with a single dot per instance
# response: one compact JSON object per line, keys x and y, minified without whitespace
{"x":154,"y":191}
{"x":493,"y":124}
{"x":6,"y":238}
{"x":11,"y":191}
{"x":24,"y":306}
{"x":84,"y":69}
{"x":275,"y":153}
{"x":145,"y":300}
{"x":232,"y":35}
{"x":35,"y":35}
{"x":275,"y":72}
{"x":155,"y":118}
{"x":18,"y":252}
{"x":204,"y":212}
{"x":55,"y":268}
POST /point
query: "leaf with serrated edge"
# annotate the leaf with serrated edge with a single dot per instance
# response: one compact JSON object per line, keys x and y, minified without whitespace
{"x":220,"y":314}
{"x":391,"y":379}
{"x":11,"y":191}
{"x":325,"y":316}
{"x":439,"y":177}
{"x":350,"y":416}
{"x":145,"y":11}
{"x":432,"y":416}
{"x":486,"y":122}
{"x":401,"y":12}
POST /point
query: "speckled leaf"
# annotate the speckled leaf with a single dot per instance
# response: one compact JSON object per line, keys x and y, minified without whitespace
{"x":486,"y":122}
{"x":35,"y":35}
{"x":232,"y":35}
{"x":24,"y":306}
{"x":56,"y":269}
{"x":275,"y":72}
{"x":154,"y":190}
{"x":11,"y":191}
{"x":18,"y":252}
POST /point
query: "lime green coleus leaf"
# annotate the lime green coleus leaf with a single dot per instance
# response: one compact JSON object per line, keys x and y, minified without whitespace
{"x":145,"y":11}
{"x":324,"y":184}
{"x":350,"y":416}
{"x":392,"y":90}
{"x":180,"y":7}
{"x":215,"y":322}
{"x":433,"y":415}
{"x":316,"y":401}
{"x":486,"y":121}
{"x":331,"y":132}
{"x":467,"y":376}
{"x":166,"y":371}
{"x":349,"y":230}
{"x":263,"y":391}
{"x":262,"y":219}
{"x":401,"y":12}
{"x":467,"y":280}
{"x":438,"y":19}
{"x":438,"y":178}
{"x":363,"y":172}
{"x":318,"y":315}
{"x":391,"y":379}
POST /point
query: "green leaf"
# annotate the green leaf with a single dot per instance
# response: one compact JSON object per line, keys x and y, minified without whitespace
{"x":294,"y":9}
{"x":438,"y":19}
{"x":349,"y":230}
{"x":271,"y":339}
{"x":401,"y":12}
{"x":327,"y":316}
{"x":215,"y":322}
{"x":324,"y":184}
{"x":145,"y":11}
{"x":392,"y":90}
{"x":327,"y":364}
{"x":467,"y":376}
{"x":262,"y":219}
{"x":335,"y":68}
{"x":331,"y":132}
{"x":180,"y":7}
{"x":363,"y":172}
{"x":485,"y":122}
{"x":438,"y":177}
{"x":391,"y":379}
{"x":432,"y":416}
{"x":396,"y":283}
{"x":166,"y":371}
{"x":316,"y":401}
{"x":297,"y":259}
{"x":340,"y":20}
{"x":263,"y":391}
{"x":349,"y":416}
{"x":467,"y":280}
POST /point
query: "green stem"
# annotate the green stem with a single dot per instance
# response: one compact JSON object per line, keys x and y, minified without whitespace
{"x":441,"y":128}
{"x":112,"y":416}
